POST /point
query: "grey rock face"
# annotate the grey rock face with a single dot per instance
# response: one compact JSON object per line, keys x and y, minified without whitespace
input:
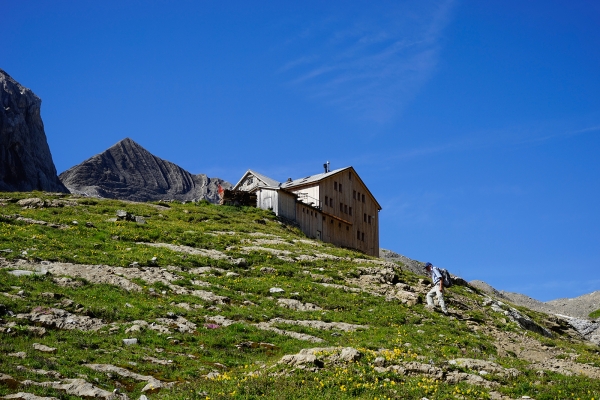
{"x":410,"y":264}
{"x":127,"y":171}
{"x":25,"y":160}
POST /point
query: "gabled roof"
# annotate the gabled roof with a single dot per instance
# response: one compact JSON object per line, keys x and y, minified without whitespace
{"x":269,"y":182}
{"x":319,"y":177}
{"x":311,"y":179}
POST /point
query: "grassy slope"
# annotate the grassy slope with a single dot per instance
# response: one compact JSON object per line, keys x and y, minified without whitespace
{"x":433,"y":338}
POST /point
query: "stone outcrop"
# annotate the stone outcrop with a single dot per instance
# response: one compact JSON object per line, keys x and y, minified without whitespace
{"x":25,"y":160}
{"x":127,"y":171}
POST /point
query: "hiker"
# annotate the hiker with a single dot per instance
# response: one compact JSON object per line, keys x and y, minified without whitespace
{"x":438,"y":287}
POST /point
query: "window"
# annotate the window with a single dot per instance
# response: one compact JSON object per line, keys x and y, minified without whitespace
{"x":369,"y":219}
{"x":340,"y":187}
{"x":363,"y":198}
{"x":334,"y":185}
{"x":363,"y":236}
{"x":326,"y":200}
{"x":358,"y":235}
{"x":332,"y":221}
{"x":346,"y":208}
{"x":350,"y":175}
{"x":324,"y":218}
{"x":350,"y":210}
{"x":303,"y":210}
{"x":330,"y":202}
{"x":339,"y":224}
{"x":354,"y":194}
{"x":364,"y":217}
{"x":347,"y":228}
{"x":341,"y":207}
{"x":312,"y":214}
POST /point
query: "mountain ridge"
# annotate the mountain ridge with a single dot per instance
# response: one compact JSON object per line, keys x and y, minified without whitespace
{"x":128,"y":171}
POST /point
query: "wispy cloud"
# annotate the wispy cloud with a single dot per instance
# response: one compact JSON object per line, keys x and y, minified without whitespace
{"x":371,"y":65}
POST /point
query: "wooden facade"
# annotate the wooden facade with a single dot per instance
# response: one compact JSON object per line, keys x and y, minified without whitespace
{"x":334,"y":206}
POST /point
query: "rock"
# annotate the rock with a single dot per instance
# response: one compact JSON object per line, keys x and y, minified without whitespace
{"x":25,"y":160}
{"x":321,"y":325}
{"x":20,"y":354}
{"x":378,"y":275}
{"x":297,"y":305}
{"x":210,"y":297}
{"x":154,"y":385}
{"x":320,"y":356}
{"x":268,"y":270}
{"x":78,"y":387}
{"x":483,"y":367}
{"x":128,"y":342}
{"x":133,"y":329}
{"x":7,"y":380}
{"x":128,"y":171}
{"x":408,"y":298}
{"x":27,"y":396}
{"x":44,"y":348}
{"x":20,"y":272}
{"x":276,"y":290}
{"x":61,"y":319}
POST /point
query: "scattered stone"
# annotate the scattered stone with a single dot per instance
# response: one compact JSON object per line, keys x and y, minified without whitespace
{"x":300,"y":336}
{"x":408,"y":298}
{"x":213,"y":254}
{"x":268,"y":270}
{"x":179,"y":323}
{"x":484,"y":367}
{"x":20,"y":354}
{"x":44,"y":348}
{"x":210,"y":297}
{"x":9,"y":381}
{"x":20,"y":272}
{"x":67,"y":282}
{"x":276,"y":290}
{"x":129,"y":342}
{"x":43,"y":372}
{"x":153,"y":386}
{"x":61,"y":319}
{"x":30,"y":221}
{"x":157,"y":360}
{"x":255,"y":345}
{"x":27,"y":396}
{"x":297,"y":305}
{"x":320,"y":324}
{"x":320,"y":356}
{"x":78,"y":387}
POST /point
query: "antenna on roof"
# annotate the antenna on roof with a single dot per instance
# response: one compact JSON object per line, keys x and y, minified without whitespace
{"x":326,"y":166}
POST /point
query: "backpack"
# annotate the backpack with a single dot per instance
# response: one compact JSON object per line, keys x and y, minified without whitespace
{"x":446,"y":278}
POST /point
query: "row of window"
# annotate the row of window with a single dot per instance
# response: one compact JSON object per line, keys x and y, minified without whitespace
{"x":304,"y":210}
{"x":355,"y":195}
{"x":360,"y":236}
{"x":358,"y":196}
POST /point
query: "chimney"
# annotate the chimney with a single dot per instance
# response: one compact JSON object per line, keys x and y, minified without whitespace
{"x":326,"y":167}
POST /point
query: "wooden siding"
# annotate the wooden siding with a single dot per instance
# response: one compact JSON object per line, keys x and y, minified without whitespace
{"x":349,"y":221}
{"x":337,"y":209}
{"x":310,"y":220}
{"x":282,"y":203}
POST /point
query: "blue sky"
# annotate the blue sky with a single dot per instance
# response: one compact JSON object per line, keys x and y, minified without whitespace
{"x":475,"y":124}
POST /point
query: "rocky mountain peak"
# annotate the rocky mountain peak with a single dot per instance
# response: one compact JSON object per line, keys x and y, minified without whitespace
{"x":25,"y":160}
{"x":128,"y":171}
